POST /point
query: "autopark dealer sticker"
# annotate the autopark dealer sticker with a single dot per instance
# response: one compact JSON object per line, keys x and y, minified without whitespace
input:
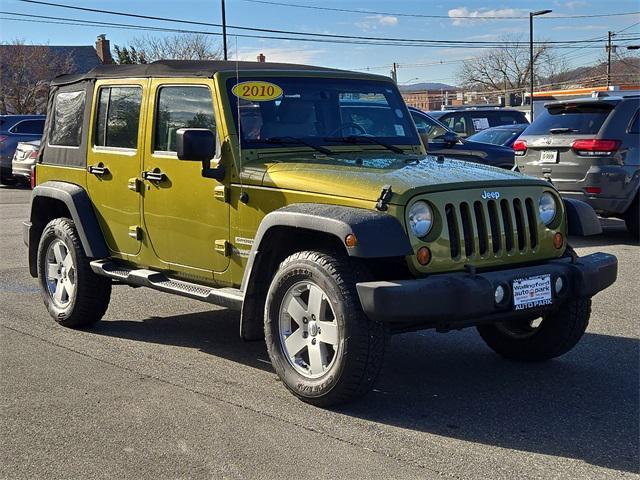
{"x":257,"y":91}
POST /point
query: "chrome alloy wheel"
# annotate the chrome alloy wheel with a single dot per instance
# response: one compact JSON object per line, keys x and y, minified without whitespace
{"x":308,"y":327}
{"x":60,"y":274}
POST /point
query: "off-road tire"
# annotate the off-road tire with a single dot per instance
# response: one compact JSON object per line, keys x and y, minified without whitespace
{"x":362,"y":341}
{"x":558,"y":333}
{"x":92,"y":293}
{"x":632,"y":218}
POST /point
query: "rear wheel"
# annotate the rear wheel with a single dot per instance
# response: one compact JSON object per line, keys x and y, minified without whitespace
{"x":321,"y":344}
{"x":632,"y":218}
{"x":74,"y":295}
{"x":542,"y":338}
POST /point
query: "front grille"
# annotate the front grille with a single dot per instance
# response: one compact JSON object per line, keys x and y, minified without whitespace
{"x":492,"y":228}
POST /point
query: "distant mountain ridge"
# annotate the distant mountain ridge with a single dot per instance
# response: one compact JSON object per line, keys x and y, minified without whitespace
{"x":418,"y":87}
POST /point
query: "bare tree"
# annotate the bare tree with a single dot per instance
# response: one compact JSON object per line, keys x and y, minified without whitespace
{"x":25,"y":73}
{"x":185,"y":46}
{"x":507,"y":67}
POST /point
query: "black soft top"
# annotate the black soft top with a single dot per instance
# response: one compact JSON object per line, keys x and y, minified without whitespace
{"x":183,"y":68}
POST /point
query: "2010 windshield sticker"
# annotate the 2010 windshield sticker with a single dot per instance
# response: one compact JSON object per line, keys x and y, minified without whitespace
{"x":257,"y":91}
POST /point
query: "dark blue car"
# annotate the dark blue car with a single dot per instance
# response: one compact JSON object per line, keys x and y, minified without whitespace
{"x":503,"y":135}
{"x":14,"y":129}
{"x":440,"y":140}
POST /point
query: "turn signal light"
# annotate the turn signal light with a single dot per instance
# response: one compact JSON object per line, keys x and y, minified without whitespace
{"x":558,"y":240}
{"x":350,"y":240}
{"x":423,"y":255}
{"x":520,"y":147}
{"x":595,"y":147}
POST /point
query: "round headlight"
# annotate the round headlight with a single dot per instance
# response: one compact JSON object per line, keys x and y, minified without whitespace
{"x":547,"y":208}
{"x":420,"y":218}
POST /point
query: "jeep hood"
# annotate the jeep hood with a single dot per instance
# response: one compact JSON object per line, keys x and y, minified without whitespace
{"x":364,"y":176}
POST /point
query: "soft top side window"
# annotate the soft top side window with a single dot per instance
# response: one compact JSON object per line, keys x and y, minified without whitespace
{"x":66,"y":119}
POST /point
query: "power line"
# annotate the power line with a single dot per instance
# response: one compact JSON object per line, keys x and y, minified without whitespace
{"x":419,"y":15}
{"x":387,"y":40}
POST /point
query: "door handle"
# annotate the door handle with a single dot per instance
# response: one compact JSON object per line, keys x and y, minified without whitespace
{"x":98,"y":170}
{"x":154,"y":176}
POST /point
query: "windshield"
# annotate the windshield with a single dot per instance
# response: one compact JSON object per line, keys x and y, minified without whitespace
{"x":281,"y":110}
{"x":580,"y":118}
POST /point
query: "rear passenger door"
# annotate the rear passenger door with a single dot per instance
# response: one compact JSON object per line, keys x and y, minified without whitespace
{"x":114,"y":160}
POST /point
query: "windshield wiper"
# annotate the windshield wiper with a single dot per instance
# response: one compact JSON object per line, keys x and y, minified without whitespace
{"x":357,"y":139}
{"x":297,"y":141}
{"x":563,"y":130}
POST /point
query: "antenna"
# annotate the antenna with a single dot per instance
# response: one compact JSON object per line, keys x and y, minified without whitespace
{"x":239,"y":127}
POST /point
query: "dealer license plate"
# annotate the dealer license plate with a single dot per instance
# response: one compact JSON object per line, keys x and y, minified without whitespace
{"x":549,"y":156}
{"x":531,"y":292}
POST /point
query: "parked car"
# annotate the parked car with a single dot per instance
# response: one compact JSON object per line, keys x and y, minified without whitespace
{"x":440,"y":140}
{"x":590,"y":149}
{"x":503,"y":135}
{"x":24,"y":159}
{"x":325,"y":240}
{"x":15,"y":129}
{"x":468,"y":122}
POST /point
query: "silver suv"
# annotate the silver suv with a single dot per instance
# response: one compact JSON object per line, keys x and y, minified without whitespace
{"x":590,"y":149}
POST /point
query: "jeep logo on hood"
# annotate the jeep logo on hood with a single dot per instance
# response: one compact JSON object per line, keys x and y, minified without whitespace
{"x":490,"y":195}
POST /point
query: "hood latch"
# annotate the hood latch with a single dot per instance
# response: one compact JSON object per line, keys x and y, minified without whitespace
{"x":385,"y":197}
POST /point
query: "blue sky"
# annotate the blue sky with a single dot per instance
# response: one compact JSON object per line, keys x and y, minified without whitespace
{"x":243,"y":13}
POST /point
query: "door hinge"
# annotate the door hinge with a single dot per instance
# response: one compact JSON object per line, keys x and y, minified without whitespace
{"x":223,"y":247}
{"x":135,"y":232}
{"x":222,"y":193}
{"x":134,"y":184}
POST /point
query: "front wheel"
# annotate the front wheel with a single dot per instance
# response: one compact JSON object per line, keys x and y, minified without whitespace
{"x":321,"y":344}
{"x":540,"y":339}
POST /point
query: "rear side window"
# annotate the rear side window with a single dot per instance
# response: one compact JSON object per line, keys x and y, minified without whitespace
{"x":29,"y":127}
{"x":581,"y":119}
{"x":118,"y":117}
{"x":66,"y":119}
{"x":181,"y":107}
{"x":457,"y":123}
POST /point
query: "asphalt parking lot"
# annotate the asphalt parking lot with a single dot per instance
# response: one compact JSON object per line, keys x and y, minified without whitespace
{"x":164,"y":388}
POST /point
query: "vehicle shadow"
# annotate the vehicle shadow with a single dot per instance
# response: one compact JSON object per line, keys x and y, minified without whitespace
{"x":584,"y":405}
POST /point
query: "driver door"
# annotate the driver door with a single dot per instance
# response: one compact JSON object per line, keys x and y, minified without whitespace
{"x":185,"y":217}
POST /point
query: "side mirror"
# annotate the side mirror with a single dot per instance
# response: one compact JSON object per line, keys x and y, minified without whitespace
{"x":199,"y":145}
{"x":450,"y":138}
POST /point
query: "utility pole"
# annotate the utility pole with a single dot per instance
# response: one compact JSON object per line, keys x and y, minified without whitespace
{"x":224,"y":30}
{"x":394,"y":72}
{"x":531,"y":15}
{"x":609,"y":48}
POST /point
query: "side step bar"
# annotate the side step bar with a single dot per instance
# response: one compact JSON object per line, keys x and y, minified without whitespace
{"x":225,"y":297}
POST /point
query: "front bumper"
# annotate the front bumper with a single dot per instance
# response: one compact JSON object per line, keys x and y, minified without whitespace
{"x":453,"y":300}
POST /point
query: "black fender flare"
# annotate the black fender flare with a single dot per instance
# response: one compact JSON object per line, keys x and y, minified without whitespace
{"x":582,"y":219}
{"x":82,"y":213}
{"x":378,"y":234}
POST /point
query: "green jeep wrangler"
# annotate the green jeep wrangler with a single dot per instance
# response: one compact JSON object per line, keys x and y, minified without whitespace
{"x":266,"y":188}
